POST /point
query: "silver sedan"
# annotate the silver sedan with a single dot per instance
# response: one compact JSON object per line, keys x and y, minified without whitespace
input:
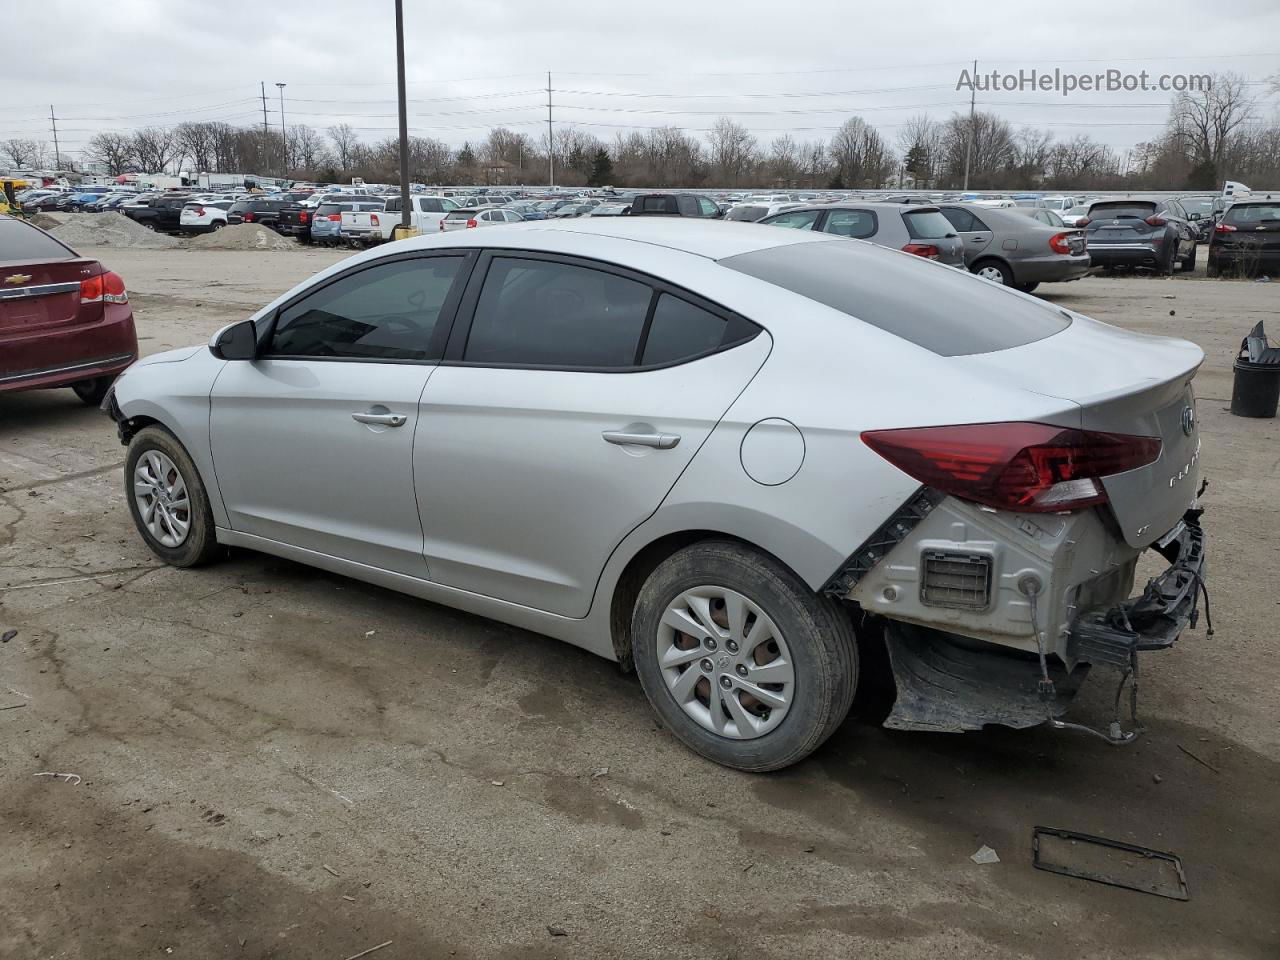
{"x":720,"y":454}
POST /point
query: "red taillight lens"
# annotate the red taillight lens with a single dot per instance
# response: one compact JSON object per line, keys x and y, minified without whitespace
{"x":926,"y":250}
{"x":1156,"y":220}
{"x":91,"y":290}
{"x":303,"y":217}
{"x":373,"y":219}
{"x":336,"y":217}
{"x":113,"y":290}
{"x":248,"y":216}
{"x":472,"y":223}
{"x":1224,"y":228}
{"x":1058,"y":243}
{"x":198,"y":211}
{"x":1027,"y":467}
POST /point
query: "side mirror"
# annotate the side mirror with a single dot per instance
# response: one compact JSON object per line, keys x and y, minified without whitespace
{"x":1194,"y":216}
{"x":236,"y":342}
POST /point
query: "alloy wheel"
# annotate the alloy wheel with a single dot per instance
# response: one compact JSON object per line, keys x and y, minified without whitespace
{"x":161,"y":496}
{"x":725,"y":662}
{"x":991,"y":273}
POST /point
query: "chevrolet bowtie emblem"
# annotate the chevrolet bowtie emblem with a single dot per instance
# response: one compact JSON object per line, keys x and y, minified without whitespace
{"x":18,"y":278}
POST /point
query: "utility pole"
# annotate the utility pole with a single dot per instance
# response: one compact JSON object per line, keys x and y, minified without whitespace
{"x":551,"y":139}
{"x":968,"y":150}
{"x":284,"y":137}
{"x":406,"y":220}
{"x":262,"y":154}
{"x":57,"y":155}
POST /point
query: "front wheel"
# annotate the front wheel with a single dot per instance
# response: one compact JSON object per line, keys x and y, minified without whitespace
{"x":217,"y":225}
{"x":740,"y":659}
{"x":1028,"y":287}
{"x":167,"y":499}
{"x":1189,"y":264}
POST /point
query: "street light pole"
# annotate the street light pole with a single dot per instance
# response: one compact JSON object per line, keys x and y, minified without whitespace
{"x":284,"y":137}
{"x":406,"y":222}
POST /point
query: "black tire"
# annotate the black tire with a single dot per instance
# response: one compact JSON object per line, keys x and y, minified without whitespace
{"x":92,"y":391}
{"x":818,"y":633}
{"x":1171,"y":264}
{"x":200,"y":545}
{"x":1189,"y":264}
{"x":1006,"y":275}
{"x":1028,"y":287}
{"x":217,"y":225}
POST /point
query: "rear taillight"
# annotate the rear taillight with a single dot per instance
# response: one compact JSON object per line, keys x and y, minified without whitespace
{"x":472,"y":223}
{"x":113,"y":290}
{"x":1224,"y":228}
{"x":198,"y":211}
{"x":1027,"y":467}
{"x":248,"y":216}
{"x":1083,"y":222}
{"x":91,"y":290}
{"x":926,"y":250}
{"x":335,"y":217}
{"x":373,"y":219}
{"x":1155,"y":220}
{"x":303,"y":217}
{"x":1060,"y":243}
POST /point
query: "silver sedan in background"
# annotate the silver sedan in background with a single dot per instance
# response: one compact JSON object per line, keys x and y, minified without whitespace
{"x":1010,"y":248}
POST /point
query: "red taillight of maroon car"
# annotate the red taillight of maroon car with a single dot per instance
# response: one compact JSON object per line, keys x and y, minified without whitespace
{"x":1027,"y":467}
{"x":104,"y":288}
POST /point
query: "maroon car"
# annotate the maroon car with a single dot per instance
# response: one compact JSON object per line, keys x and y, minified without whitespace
{"x":65,"y":320}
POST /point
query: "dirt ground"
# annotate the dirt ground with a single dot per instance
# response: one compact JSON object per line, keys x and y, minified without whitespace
{"x":277,"y":762}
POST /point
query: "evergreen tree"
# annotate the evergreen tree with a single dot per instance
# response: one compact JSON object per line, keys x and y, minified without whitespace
{"x":601,"y":169}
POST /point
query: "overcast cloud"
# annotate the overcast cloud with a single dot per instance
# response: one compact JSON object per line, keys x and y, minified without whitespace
{"x":800,"y":67}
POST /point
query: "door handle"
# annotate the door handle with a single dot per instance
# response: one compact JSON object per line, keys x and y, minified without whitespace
{"x":663,"y":441}
{"x":384,"y":419}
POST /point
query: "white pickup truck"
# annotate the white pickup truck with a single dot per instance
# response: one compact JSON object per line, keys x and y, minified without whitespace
{"x":363,"y":229}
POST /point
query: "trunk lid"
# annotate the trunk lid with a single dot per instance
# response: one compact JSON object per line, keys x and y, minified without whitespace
{"x":40,"y":282}
{"x":1122,"y":222}
{"x":1120,"y":382}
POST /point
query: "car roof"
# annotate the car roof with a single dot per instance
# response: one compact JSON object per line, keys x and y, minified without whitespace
{"x":877,"y":206}
{"x":713,"y":239}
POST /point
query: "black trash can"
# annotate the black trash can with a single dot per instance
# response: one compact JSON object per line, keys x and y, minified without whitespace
{"x":1256,"y":391}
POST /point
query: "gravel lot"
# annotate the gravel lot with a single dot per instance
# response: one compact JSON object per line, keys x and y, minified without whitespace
{"x":277,"y":762}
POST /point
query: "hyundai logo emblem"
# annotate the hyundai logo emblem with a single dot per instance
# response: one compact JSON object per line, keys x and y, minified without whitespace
{"x":1188,"y":420}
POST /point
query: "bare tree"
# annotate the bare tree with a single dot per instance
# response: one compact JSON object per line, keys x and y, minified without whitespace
{"x":345,"y":142}
{"x":920,"y":143}
{"x":784,"y":160}
{"x":860,"y":155}
{"x":994,"y":149}
{"x":113,"y":150}
{"x":1207,"y":120}
{"x":307,"y":152}
{"x":1079,"y":162}
{"x":733,"y":151}
{"x":23,"y":153}
{"x":154,"y":148}
{"x":195,"y":142}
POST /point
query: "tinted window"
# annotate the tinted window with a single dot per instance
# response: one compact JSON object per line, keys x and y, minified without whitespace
{"x":432,"y":205}
{"x":927,"y":225}
{"x":387,"y":312}
{"x":1200,"y":205}
{"x":858,"y":224}
{"x":1252,"y":212}
{"x":459,"y":214}
{"x":654,"y":205}
{"x":746,"y":213}
{"x":21,"y":241}
{"x":938,"y":308}
{"x":556,"y":314}
{"x":1122,"y":208}
{"x":796,"y":219}
{"x":963,"y":220}
{"x":688,"y":206}
{"x":680,"y":330}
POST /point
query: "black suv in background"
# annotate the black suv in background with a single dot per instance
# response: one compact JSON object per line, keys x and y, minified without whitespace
{"x":1247,"y":240}
{"x":674,"y":205}
{"x":163,"y":214}
{"x":1141,"y":232}
{"x":265,"y":212}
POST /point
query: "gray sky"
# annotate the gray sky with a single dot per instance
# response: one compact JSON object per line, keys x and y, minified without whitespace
{"x":799,"y":67}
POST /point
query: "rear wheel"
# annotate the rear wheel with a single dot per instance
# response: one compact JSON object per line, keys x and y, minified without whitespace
{"x":92,"y":391}
{"x":167,"y":499}
{"x":742,"y":661}
{"x":994,"y":271}
{"x":217,"y":225}
{"x":1028,"y":287}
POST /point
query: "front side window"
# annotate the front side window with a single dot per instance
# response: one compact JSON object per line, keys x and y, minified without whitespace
{"x":387,"y":312}
{"x":546,"y":313}
{"x":796,"y":219}
{"x":708,"y":208}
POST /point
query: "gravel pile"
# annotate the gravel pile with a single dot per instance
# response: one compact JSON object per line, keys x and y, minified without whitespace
{"x":44,"y":221}
{"x":244,"y":236}
{"x":109,"y":230}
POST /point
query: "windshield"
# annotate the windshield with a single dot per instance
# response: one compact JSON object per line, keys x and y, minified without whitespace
{"x":1200,"y":205}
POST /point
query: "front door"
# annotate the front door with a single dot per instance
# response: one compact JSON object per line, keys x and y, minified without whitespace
{"x":578,"y":396}
{"x":313,"y":441}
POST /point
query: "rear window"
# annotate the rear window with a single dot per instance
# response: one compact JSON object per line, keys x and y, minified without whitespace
{"x":459,"y":214}
{"x":1252,"y":212}
{"x":327,"y":208}
{"x":1122,"y":208}
{"x":654,"y":205}
{"x":750,"y":214}
{"x":927,"y":225}
{"x":941,"y":309}
{"x":241,"y":206}
{"x":21,"y":241}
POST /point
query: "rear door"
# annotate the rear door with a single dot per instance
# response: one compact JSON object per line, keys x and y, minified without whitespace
{"x":40,"y":302}
{"x":313,"y":440}
{"x":567,"y":406}
{"x":975,"y":234}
